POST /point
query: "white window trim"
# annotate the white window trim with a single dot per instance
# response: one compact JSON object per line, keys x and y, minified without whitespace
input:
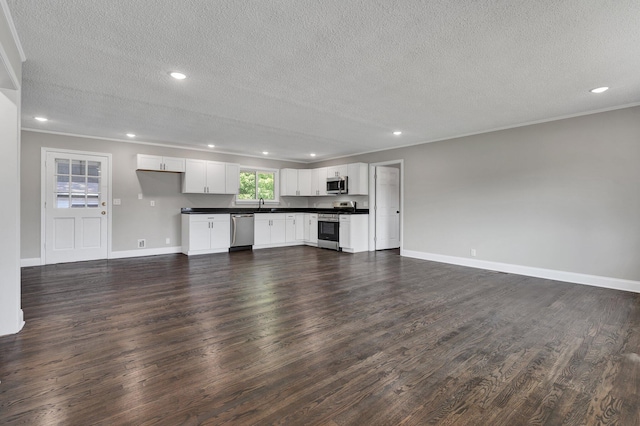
{"x":276,"y":184}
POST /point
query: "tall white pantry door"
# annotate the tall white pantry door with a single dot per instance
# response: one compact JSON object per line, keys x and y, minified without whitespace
{"x":387,"y":208}
{"x":76,"y":207}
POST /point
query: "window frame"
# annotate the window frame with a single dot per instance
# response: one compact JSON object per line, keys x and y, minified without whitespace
{"x":276,"y":184}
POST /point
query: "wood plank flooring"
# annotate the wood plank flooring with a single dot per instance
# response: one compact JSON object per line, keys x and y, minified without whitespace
{"x":303,"y":336}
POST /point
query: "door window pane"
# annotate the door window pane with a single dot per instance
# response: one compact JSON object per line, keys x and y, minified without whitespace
{"x":78,"y":167}
{"x":62,"y":166}
{"x":62,"y":201}
{"x":93,"y":200}
{"x":62,"y":183}
{"x":93,"y":185}
{"x":78,"y":184}
{"x":93,"y":168}
{"x":78,"y":200}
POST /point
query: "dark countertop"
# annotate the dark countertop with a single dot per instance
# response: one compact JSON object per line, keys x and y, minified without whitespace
{"x":208,"y":210}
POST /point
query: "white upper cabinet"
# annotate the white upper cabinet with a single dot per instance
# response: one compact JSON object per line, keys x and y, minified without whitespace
{"x":295,"y":182}
{"x":337,"y":171}
{"x":319,"y":181}
{"x":195,"y":177}
{"x":160,"y":164}
{"x":304,"y":182}
{"x":232,"y":184}
{"x":358,"y":174}
{"x":288,"y":182}
{"x":210,"y":177}
{"x":313,"y":182}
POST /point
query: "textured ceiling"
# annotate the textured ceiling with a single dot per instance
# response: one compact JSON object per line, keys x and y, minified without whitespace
{"x":334,"y":77}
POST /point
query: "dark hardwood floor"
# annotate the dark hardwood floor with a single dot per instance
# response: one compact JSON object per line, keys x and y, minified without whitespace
{"x":303,"y":336}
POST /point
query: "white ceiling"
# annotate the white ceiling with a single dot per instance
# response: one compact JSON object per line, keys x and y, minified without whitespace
{"x":334,"y":77}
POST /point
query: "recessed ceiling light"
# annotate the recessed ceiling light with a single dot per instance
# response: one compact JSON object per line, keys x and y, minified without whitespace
{"x":211,"y":145}
{"x":131,"y":135}
{"x":41,"y":118}
{"x":397,"y":133}
{"x":599,"y":89}
{"x":312,"y":154}
{"x":177,"y":75}
{"x":265,"y":152}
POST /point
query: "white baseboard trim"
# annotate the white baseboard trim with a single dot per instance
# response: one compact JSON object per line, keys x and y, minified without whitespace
{"x":34,"y":261}
{"x":4,"y":331}
{"x":144,"y":252}
{"x":571,"y":277}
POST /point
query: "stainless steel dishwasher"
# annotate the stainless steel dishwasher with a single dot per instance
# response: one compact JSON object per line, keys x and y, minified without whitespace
{"x":241,"y":231}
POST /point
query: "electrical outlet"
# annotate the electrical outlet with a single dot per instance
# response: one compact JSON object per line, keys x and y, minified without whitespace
{"x":117,"y":201}
{"x":140,"y":196}
{"x":473,"y":252}
{"x":167,"y":241}
{"x":142,"y":243}
{"x":152,"y":203}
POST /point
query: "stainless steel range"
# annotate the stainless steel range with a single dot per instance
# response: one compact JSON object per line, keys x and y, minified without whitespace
{"x":329,"y":225}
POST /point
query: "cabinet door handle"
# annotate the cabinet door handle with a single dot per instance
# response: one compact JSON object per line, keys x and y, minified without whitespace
{"x":234,"y":225}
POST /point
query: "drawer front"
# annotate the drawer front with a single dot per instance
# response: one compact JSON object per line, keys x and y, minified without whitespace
{"x":208,"y":218}
{"x":269,"y":216}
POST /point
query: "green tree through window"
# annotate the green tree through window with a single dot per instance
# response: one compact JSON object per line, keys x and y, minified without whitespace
{"x":256,"y":184}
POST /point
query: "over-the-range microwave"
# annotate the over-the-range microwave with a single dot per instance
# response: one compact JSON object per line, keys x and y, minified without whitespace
{"x":337,"y":185}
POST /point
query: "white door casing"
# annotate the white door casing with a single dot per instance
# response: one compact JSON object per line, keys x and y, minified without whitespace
{"x":387,"y":208}
{"x":76,"y":206}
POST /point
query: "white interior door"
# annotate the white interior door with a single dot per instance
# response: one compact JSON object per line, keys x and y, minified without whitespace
{"x":76,"y":207}
{"x":387,"y":208}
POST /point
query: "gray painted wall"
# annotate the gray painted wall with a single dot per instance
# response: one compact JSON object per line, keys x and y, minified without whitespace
{"x":134,"y":218}
{"x":562,"y":195}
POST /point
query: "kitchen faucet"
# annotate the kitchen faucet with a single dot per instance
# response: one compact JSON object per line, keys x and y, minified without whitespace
{"x":260,"y":203}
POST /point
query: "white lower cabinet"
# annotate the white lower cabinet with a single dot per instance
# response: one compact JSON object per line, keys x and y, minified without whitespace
{"x":205,"y":233}
{"x":270,"y":230}
{"x":311,"y":229}
{"x":354,"y":232}
{"x":294,"y":233}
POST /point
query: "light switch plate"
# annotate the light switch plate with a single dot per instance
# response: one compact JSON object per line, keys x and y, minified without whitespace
{"x":117,"y":201}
